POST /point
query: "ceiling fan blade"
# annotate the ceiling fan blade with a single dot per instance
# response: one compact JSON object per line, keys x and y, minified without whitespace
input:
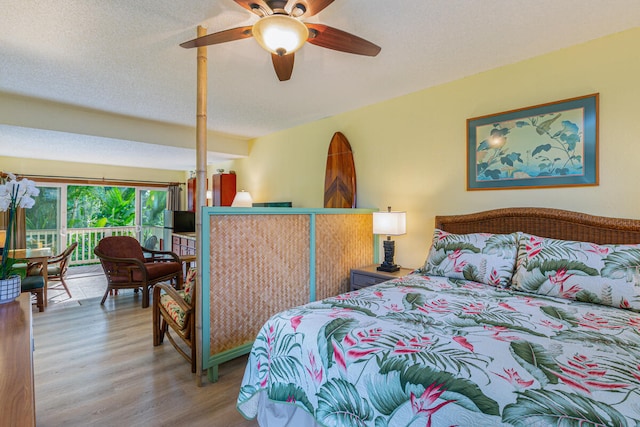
{"x":283,"y":65}
{"x":259,"y":7}
{"x":332,"y":38}
{"x":219,"y":37}
{"x":311,"y":7}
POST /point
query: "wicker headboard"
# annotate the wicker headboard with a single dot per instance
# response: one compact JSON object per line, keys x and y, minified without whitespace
{"x":545,"y":222}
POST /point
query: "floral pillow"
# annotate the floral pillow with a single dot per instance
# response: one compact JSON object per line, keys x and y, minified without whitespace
{"x":480,"y":257}
{"x":601,"y":274}
{"x":189,"y":284}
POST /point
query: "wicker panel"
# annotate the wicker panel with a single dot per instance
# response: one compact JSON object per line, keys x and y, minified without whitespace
{"x":343,"y":242}
{"x":259,"y":266}
{"x":545,"y":222}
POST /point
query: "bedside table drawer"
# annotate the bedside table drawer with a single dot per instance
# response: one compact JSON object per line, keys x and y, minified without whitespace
{"x":370,"y":275}
{"x":359,"y":281}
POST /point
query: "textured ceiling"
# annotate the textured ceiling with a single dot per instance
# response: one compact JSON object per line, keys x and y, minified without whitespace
{"x":122,"y":56}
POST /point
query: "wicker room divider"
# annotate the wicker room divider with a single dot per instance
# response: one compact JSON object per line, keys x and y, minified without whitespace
{"x":259,"y":261}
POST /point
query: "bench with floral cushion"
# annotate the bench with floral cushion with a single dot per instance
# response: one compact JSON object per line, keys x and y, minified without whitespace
{"x":174,"y":312}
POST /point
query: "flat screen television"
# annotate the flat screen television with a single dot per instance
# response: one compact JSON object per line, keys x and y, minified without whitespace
{"x":272,"y":205}
{"x":184,"y":222}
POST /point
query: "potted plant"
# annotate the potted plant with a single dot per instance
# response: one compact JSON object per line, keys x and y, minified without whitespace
{"x":14,"y":194}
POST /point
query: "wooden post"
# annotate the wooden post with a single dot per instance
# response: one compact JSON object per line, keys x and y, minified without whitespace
{"x":201,"y":190}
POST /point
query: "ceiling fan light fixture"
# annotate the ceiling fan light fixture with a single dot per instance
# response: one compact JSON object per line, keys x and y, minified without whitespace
{"x":280,"y":34}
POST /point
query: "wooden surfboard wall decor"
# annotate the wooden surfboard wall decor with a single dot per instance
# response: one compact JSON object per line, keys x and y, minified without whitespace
{"x":340,"y":176}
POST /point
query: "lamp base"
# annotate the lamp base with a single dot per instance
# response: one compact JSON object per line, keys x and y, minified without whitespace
{"x":388,"y":268}
{"x":388,"y":264}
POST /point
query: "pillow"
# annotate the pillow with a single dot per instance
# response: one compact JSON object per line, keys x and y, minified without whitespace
{"x":582,"y":271}
{"x":189,"y":284}
{"x":480,"y":257}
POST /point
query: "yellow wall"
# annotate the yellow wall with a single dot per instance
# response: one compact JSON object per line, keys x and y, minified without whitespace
{"x":410,"y":152}
{"x":36,"y":113}
{"x":87,"y":170}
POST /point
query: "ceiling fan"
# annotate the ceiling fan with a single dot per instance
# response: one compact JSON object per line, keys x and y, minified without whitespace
{"x":281,"y":32}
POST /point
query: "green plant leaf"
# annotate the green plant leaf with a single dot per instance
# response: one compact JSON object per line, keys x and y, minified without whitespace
{"x":340,"y":404}
{"x":281,"y":392}
{"x":500,"y":244}
{"x":386,"y":392}
{"x":557,"y":408}
{"x":466,"y":393}
{"x":336,"y":329}
{"x":471,"y":272}
{"x":553,"y":249}
{"x":537,"y":360}
{"x":559,"y":314}
{"x":616,"y":264}
{"x":458,"y":246}
{"x":572,"y":267}
{"x":587,"y":296}
{"x":413,"y":300}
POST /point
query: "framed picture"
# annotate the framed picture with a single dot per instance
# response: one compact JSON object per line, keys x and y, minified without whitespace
{"x":548,"y":145}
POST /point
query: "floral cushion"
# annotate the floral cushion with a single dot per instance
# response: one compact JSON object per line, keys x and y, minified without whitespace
{"x":189,"y":284}
{"x":170,"y":305}
{"x":177,"y":314}
{"x":480,"y":257}
{"x":602,"y":274}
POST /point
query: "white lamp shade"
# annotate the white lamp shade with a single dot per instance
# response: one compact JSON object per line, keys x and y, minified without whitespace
{"x":242,"y":200}
{"x":280,"y":34}
{"x":390,"y":223}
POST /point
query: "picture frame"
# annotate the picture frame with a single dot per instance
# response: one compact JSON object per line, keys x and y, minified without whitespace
{"x":547,"y":145}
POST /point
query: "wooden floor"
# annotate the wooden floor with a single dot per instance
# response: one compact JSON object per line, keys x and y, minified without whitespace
{"x":96,"y":366}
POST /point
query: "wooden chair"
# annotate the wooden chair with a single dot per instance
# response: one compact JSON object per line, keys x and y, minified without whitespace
{"x":126,"y":267}
{"x":35,"y":285}
{"x":56,"y":268}
{"x":176,"y":309}
{"x":151,"y":243}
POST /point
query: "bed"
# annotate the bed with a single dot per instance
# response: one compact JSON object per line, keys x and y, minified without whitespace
{"x":519,"y":316}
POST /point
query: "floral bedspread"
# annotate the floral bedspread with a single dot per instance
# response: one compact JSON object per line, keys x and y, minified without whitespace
{"x":427,"y":350}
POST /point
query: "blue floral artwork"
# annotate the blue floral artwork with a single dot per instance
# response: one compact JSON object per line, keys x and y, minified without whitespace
{"x":550,"y":145}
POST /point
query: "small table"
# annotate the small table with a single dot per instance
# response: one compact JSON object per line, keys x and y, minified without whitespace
{"x":369,"y":275}
{"x":35,"y":255}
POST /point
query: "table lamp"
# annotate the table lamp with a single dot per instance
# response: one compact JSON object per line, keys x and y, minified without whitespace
{"x":391,"y":224}
{"x":242,"y":200}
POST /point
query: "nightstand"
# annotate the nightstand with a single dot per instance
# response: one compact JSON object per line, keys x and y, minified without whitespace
{"x":369,"y":275}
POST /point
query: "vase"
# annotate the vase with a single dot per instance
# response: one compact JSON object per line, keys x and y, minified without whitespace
{"x":10,"y":289}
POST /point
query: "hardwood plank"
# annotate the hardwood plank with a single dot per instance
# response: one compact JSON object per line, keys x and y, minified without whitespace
{"x":96,"y":365}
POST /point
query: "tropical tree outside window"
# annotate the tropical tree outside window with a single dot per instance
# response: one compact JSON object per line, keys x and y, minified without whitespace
{"x":152,"y":206}
{"x":67,"y":213}
{"x":44,"y":218}
{"x":97,"y":207}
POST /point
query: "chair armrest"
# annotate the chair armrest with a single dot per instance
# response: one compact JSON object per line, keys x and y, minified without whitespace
{"x":169,"y":290}
{"x":161,"y":255}
{"x":33,"y":268}
{"x":56,"y":258}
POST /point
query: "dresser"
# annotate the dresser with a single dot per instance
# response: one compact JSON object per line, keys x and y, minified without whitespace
{"x":17,"y":396}
{"x":183,"y":243}
{"x":191,"y":194}
{"x":223,"y":188}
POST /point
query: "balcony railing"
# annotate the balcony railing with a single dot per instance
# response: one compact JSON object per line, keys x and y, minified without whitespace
{"x":87,"y":239}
